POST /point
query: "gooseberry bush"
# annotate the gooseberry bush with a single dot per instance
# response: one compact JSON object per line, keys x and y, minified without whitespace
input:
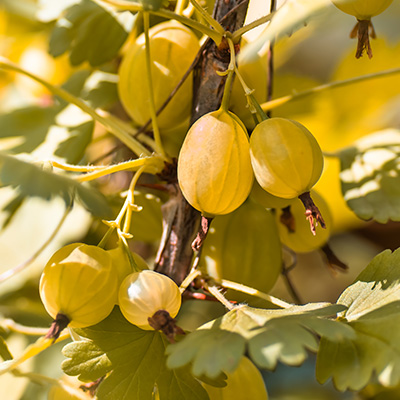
{"x":198,"y":197}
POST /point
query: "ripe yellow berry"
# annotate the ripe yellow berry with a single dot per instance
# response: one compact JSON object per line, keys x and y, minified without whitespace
{"x":362,"y":9}
{"x":286,"y":158}
{"x":173,"y":48}
{"x":244,"y":383}
{"x":301,"y":239}
{"x":143,"y":293}
{"x":214,"y":169}
{"x":78,"y":282}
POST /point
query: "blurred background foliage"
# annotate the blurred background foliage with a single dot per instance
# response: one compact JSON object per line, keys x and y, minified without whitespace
{"x":319,"y":54}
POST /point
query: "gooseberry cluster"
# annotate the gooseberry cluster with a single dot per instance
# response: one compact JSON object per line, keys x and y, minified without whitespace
{"x":81,"y":284}
{"x":218,"y":161}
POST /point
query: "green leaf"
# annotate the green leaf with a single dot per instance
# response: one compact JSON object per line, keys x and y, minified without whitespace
{"x":90,"y":33}
{"x":5,"y":353}
{"x":49,"y":131}
{"x":270,"y":335}
{"x":136,"y":358}
{"x":79,"y":137}
{"x":101,"y":89}
{"x":32,"y":180}
{"x":370,"y":176}
{"x":11,"y":208}
{"x":373,"y":312}
{"x":24,"y":130}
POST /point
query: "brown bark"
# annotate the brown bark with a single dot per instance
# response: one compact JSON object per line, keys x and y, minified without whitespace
{"x":180,"y":220}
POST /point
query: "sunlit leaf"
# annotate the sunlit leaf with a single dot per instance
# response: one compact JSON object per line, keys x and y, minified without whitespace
{"x":373,"y":313}
{"x":270,"y":336}
{"x":33,"y":180}
{"x":90,"y":33}
{"x":370,"y":176}
{"x":49,"y":10}
{"x":136,"y":358}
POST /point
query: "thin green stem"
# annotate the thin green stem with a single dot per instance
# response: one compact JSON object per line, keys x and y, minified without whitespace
{"x":219,"y":296}
{"x":254,"y":106}
{"x":132,"y":261}
{"x":153,"y":112}
{"x":115,"y":129}
{"x":228,"y":83}
{"x":269,"y":105}
{"x":189,"y":279}
{"x":215,"y":24}
{"x":13,"y":326}
{"x":77,"y":168}
{"x":131,"y":200}
{"x":13,"y":271}
{"x":241,"y":31}
{"x":254,"y":292}
{"x":128,"y":5}
{"x":152,"y":164}
{"x":106,"y":237}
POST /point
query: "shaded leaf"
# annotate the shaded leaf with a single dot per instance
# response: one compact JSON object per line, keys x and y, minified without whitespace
{"x":370,"y":176}
{"x":135,"y":357}
{"x":90,"y":33}
{"x":5,"y":353}
{"x":101,"y":89}
{"x":270,"y":335}
{"x":373,"y":313}
{"x":11,"y":209}
{"x":33,"y":180}
{"x":79,"y":137}
{"x":25,"y":129}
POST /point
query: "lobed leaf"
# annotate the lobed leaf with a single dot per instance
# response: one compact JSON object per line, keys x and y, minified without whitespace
{"x":90,"y":33}
{"x":373,"y":313}
{"x":370,"y":176}
{"x":135,"y":359}
{"x":270,"y":336}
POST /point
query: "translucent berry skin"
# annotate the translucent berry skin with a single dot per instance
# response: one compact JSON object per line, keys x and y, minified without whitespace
{"x":214,"y":169}
{"x":244,"y":247}
{"x":362,"y":9}
{"x":173,"y":48}
{"x":302,"y":240}
{"x":121,"y":264}
{"x":143,"y":293}
{"x":286,"y":158}
{"x":78,"y":281}
{"x":245,"y":383}
{"x":267,"y":200}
